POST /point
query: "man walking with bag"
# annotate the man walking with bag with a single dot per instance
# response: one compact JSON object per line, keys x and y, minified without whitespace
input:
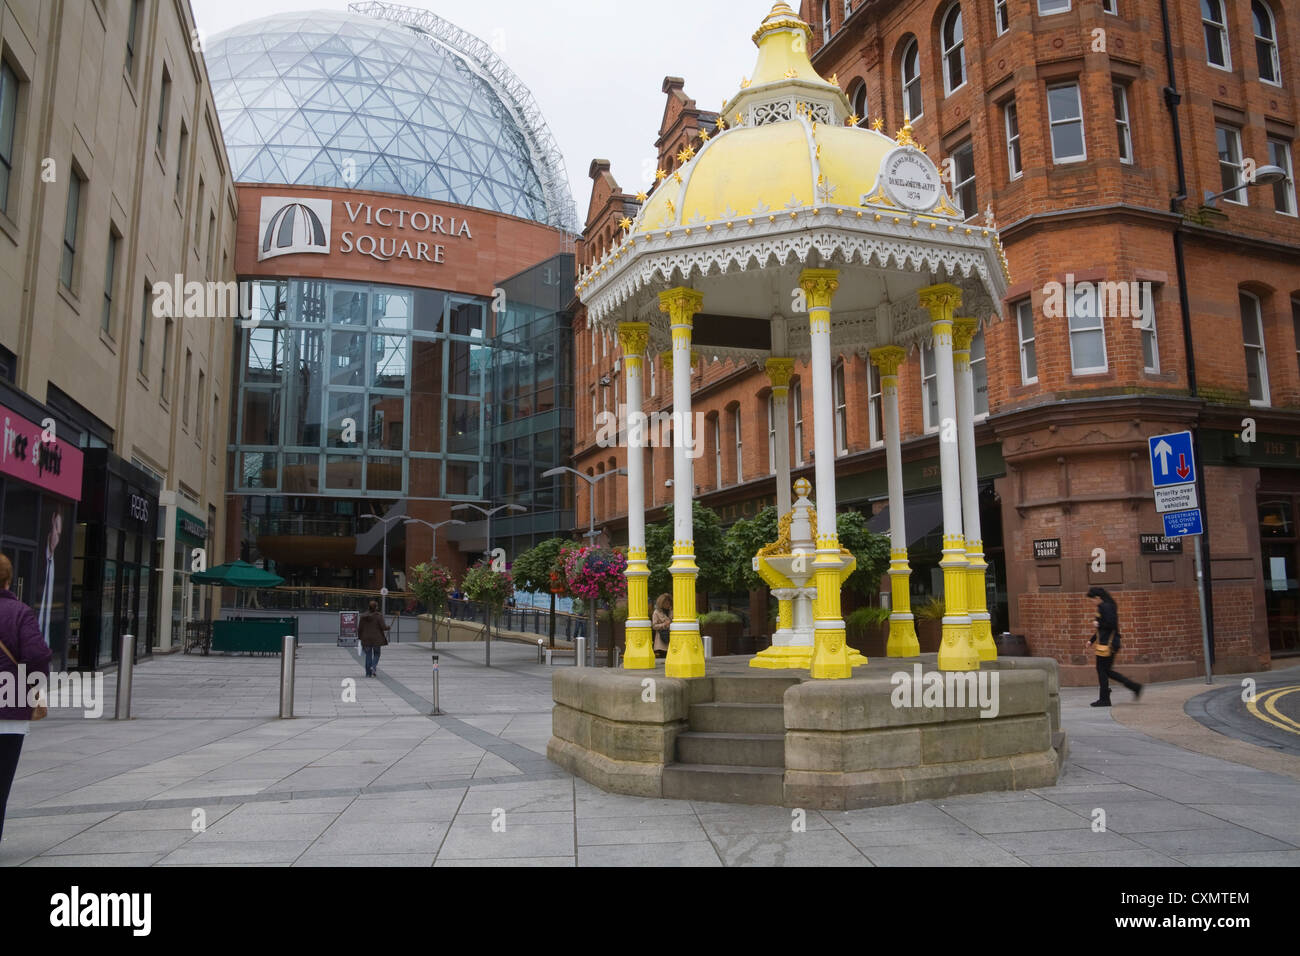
{"x":1106,"y":645}
{"x":372,"y":632}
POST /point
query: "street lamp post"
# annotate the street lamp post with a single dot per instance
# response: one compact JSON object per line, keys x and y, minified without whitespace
{"x":591,"y":533}
{"x":433,"y":559}
{"x":383,"y":583}
{"x":488,"y":513}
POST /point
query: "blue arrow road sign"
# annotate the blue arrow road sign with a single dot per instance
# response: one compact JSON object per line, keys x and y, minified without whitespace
{"x":1180,"y":523}
{"x":1172,"y":462}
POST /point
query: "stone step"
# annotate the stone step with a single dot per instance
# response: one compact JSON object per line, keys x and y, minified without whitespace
{"x":731,"y":749}
{"x":719,"y":784}
{"x":751,"y":690}
{"x":735,"y":718}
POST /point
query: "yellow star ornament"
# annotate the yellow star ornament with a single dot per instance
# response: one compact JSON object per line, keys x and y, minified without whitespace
{"x":625,"y":223}
{"x":660,"y":175}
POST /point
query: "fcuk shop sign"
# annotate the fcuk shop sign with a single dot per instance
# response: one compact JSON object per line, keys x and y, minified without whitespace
{"x":288,"y":226}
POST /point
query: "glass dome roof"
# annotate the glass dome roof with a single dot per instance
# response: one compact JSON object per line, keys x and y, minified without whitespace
{"x":325,"y":98}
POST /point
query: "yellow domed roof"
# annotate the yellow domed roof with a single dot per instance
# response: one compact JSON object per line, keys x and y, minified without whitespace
{"x":766,"y":171}
{"x":782,"y":144}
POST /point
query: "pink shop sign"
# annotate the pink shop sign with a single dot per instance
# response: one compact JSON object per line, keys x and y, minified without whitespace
{"x":54,"y":466}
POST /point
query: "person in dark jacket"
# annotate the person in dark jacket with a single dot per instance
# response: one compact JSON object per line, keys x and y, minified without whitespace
{"x":371,"y":631}
{"x":1105,"y":642}
{"x":21,"y":636}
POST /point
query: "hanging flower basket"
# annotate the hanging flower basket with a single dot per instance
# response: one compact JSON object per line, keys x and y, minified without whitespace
{"x":596,"y":574}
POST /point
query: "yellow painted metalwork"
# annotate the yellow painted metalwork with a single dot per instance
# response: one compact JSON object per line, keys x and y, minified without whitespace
{"x":640,"y":653}
{"x":902,"y":640}
{"x":956,"y":650}
{"x":685,"y":650}
{"x":977,"y":602}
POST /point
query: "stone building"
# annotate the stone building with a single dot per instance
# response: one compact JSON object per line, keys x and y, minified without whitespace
{"x":114,"y":188}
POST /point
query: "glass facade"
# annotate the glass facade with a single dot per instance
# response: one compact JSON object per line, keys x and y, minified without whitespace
{"x":338,"y":99}
{"x":359,"y":398}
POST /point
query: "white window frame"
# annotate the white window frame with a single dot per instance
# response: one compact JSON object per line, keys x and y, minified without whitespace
{"x":957,"y":186}
{"x":957,"y":49}
{"x":929,"y":384}
{"x":860,"y":91}
{"x":1221,"y":26}
{"x":1015,"y":161}
{"x":838,"y":393}
{"x":717,"y":451}
{"x":1148,"y":329}
{"x":1001,"y":19}
{"x":1295,"y":326}
{"x":1050,"y":13}
{"x":1123,"y":123}
{"x":650,"y":373}
{"x":912,"y":46}
{"x":979,"y":366}
{"x":1271,"y":41}
{"x":796,"y":401}
{"x":1240,"y":197}
{"x":1053,"y":123}
{"x":875,"y":405}
{"x":826,"y":21}
{"x":1099,"y":328}
{"x":1110,"y":6}
{"x":1027,"y":345}
{"x":740,"y":449}
{"x":1261,"y":349}
{"x":771,"y":435}
{"x":1287,"y":166}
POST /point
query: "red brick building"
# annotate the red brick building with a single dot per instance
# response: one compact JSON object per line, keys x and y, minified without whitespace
{"x":1060,"y":117}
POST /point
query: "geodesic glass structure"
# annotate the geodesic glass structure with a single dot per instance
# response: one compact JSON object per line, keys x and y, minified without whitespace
{"x":325,"y":98}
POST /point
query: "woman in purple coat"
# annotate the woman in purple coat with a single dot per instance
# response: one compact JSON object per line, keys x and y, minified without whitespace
{"x":21,"y":637}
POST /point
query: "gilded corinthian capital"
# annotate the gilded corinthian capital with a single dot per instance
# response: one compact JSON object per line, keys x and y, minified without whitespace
{"x":819,"y":285}
{"x":963,"y":332}
{"x":779,"y":371}
{"x":887,"y":359}
{"x":941,"y":300}
{"x":681,"y":304}
{"x":633,"y":337}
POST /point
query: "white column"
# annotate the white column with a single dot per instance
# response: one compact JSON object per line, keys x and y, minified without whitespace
{"x":956,"y":652}
{"x":638,"y":649}
{"x":685,"y":650}
{"x":964,"y":330}
{"x":830,"y":644}
{"x":778,"y":372}
{"x":902,"y":628}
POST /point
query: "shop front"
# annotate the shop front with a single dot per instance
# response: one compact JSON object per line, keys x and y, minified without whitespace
{"x":40,"y":487}
{"x":117,"y":553}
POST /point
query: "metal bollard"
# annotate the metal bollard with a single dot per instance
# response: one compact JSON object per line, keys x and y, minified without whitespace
{"x":580,"y":652}
{"x":708,"y":645}
{"x":548,"y":657}
{"x":436,"y":709}
{"x":540,"y":646}
{"x":618,"y":657}
{"x":125,"y":674}
{"x":286,"y":677}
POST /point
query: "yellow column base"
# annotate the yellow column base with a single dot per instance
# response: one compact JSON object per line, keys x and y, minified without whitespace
{"x":799,"y":657}
{"x":830,"y":659}
{"x":639,"y":651}
{"x":981,"y":632}
{"x":685,"y":654}
{"x":957,"y":651}
{"x":902,"y":639}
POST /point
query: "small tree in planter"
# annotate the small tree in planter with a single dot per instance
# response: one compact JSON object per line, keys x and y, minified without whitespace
{"x":491,"y":589}
{"x":431,"y":584}
{"x":596,"y":575}
{"x":540,"y":569}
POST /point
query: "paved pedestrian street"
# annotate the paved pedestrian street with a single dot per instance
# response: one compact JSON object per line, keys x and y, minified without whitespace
{"x":380,"y":782}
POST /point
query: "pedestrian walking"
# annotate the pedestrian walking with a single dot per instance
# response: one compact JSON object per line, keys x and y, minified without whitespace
{"x":22,"y":643}
{"x":1105,"y":643}
{"x":661,"y":623}
{"x":372,"y":632}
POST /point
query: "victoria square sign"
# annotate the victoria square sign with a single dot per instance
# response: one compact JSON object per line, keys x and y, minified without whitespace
{"x":292,"y":226}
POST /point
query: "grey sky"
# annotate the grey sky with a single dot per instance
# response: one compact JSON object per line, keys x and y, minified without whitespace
{"x":595,"y":66}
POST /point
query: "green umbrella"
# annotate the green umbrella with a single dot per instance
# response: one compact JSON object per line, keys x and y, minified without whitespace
{"x":238,"y":574}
